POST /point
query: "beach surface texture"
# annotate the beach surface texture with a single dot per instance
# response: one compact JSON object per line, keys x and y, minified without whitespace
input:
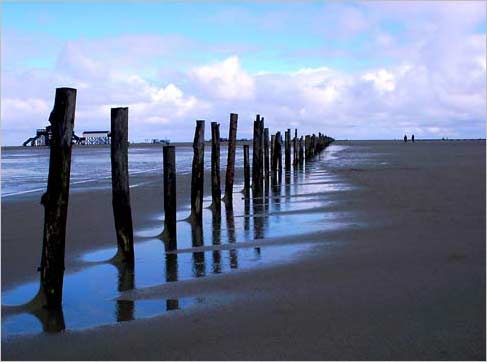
{"x":400,"y":276}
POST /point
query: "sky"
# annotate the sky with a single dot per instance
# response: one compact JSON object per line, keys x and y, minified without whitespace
{"x":351,"y":70}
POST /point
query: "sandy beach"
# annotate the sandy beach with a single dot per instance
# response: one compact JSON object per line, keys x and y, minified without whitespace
{"x":403,"y":277}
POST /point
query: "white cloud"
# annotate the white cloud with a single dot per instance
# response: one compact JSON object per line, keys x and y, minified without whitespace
{"x":430,"y":78}
{"x":225,"y":80}
{"x":382,"y":79}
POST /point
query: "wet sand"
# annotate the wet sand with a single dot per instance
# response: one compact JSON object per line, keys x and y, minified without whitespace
{"x":406,"y":279}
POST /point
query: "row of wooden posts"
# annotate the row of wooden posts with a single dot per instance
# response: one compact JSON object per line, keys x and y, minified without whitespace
{"x":266,"y":162}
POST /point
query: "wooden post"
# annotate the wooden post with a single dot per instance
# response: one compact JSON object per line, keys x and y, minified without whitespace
{"x":287,"y":145}
{"x":273,"y":165}
{"x":257,"y":156}
{"x":55,"y":200}
{"x":266,"y":153}
{"x":232,"y":140}
{"x":246,"y":171}
{"x":278,"y":151}
{"x":301,"y":151}
{"x":295,"y":148}
{"x":215,"y":167}
{"x":120,"y":185}
{"x":198,"y":172}
{"x":307,"y":147}
{"x":169,"y":163}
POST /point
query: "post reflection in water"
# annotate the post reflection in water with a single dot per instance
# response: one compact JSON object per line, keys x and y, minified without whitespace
{"x":266,"y":202}
{"x":247,"y":217}
{"x":126,"y":281}
{"x":276,"y":191}
{"x":172,"y":304}
{"x":199,"y":268}
{"x":217,"y":232}
{"x":171,"y":268}
{"x":231,"y":235}
{"x":258,"y":216}
{"x":230,"y":224}
{"x":295,"y":180}
{"x":172,"y":276}
{"x":287,"y":187}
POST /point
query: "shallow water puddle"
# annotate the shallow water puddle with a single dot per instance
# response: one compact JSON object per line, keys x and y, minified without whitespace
{"x":89,"y":295}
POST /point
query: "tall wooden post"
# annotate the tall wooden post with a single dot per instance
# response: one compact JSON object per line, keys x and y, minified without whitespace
{"x":120,"y":185}
{"x":257,"y":156}
{"x":301,"y":151}
{"x":198,"y":172}
{"x":55,"y":200}
{"x":273,"y":164}
{"x":232,"y":140}
{"x":287,"y":145}
{"x":307,"y":146}
{"x":266,"y":153}
{"x":215,"y":168}
{"x":246,"y":171}
{"x":278,"y":151}
{"x":295,"y":148}
{"x":169,"y":163}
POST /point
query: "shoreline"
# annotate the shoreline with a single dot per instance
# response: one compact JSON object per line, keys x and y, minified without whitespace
{"x":410,"y":284}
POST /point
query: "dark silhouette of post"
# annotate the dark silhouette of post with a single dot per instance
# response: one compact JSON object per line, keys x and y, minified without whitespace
{"x":278,"y":151}
{"x":273,"y":165}
{"x":232,"y":140}
{"x":307,"y":146}
{"x":215,"y":168}
{"x":295,"y":148}
{"x":301,"y":151}
{"x":257,"y":156}
{"x":246,"y":189}
{"x":120,"y":185}
{"x":126,"y":281}
{"x":169,"y":162}
{"x":266,"y":153}
{"x":287,"y":146}
{"x":55,"y":200}
{"x":198,"y":172}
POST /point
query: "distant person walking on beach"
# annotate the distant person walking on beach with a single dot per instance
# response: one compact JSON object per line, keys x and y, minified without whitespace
{"x":412,"y":138}
{"x":405,"y":138}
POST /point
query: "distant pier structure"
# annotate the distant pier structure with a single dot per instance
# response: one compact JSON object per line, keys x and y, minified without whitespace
{"x":96,"y":138}
{"x":43,"y":137}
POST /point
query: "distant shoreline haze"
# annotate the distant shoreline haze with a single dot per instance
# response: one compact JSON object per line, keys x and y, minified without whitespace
{"x":249,"y":142}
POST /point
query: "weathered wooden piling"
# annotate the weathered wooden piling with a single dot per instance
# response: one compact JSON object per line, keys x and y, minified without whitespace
{"x":257,"y":156}
{"x":307,"y":151}
{"x":287,"y":149}
{"x":215,"y":168}
{"x":169,"y":165}
{"x":313,"y":145}
{"x":120,"y":185}
{"x":295,"y":148}
{"x":301,"y":151}
{"x":55,"y":200}
{"x":229,"y":176}
{"x":246,"y":188}
{"x":266,"y":153}
{"x":198,"y":172}
{"x":278,"y":151}
{"x":273,"y":165}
